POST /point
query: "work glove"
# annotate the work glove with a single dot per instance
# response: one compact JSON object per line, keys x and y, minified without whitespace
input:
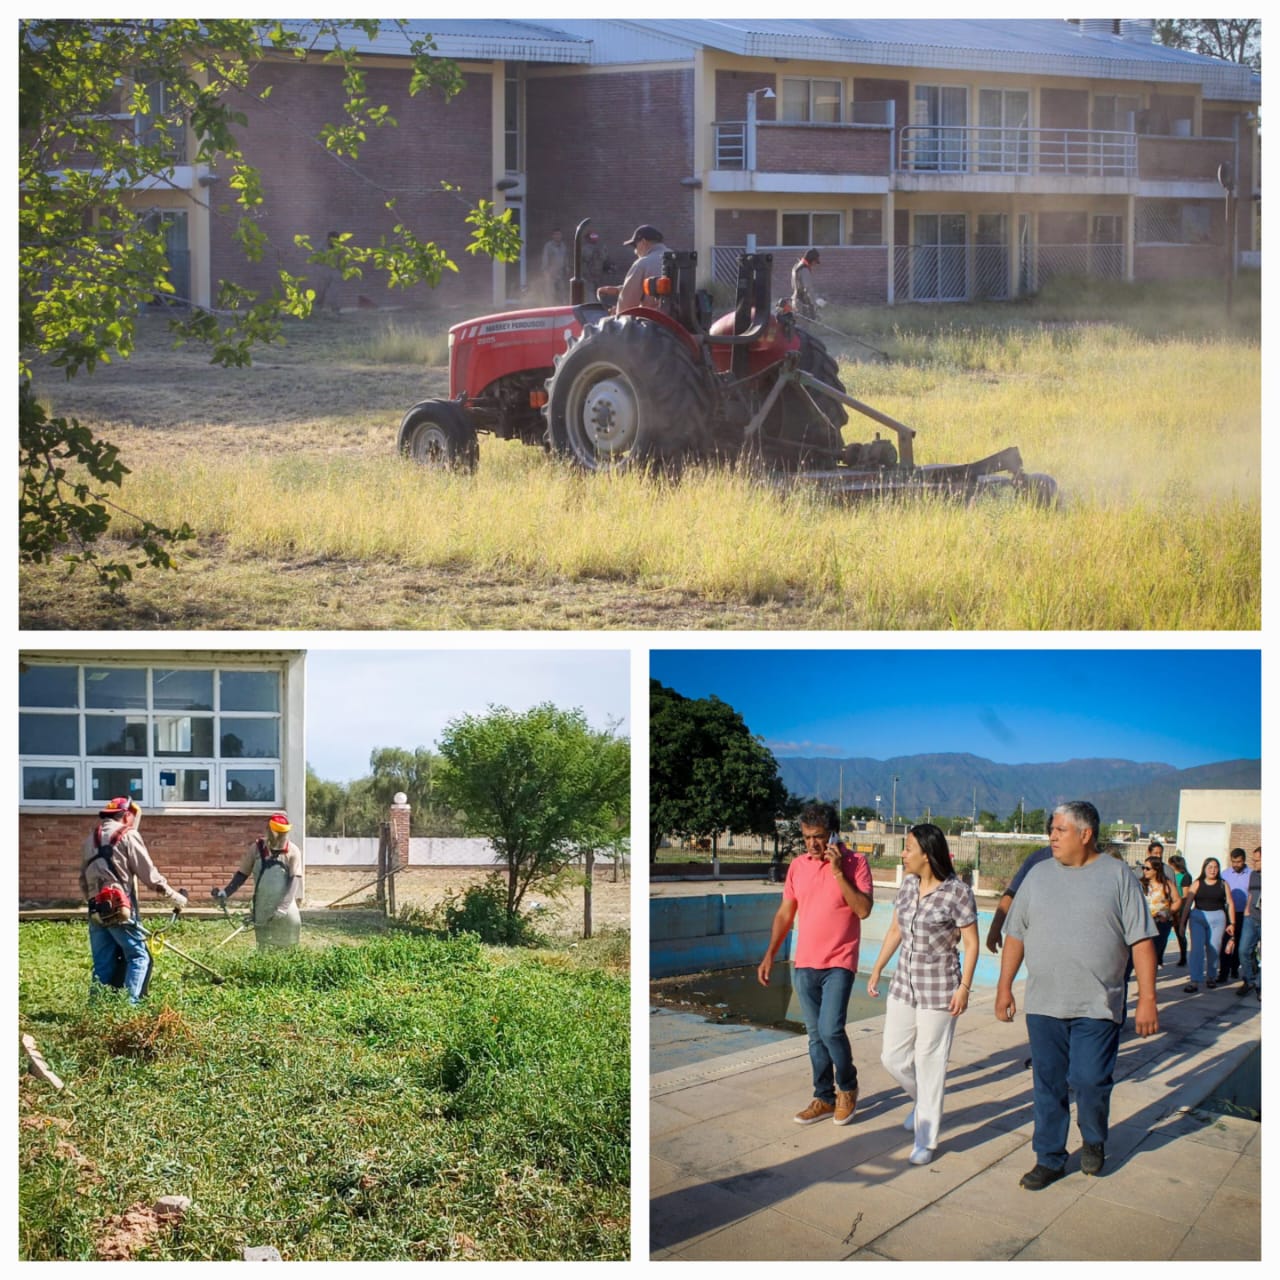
{"x":218,"y":895}
{"x":179,"y":901}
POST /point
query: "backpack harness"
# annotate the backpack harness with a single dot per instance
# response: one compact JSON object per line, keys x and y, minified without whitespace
{"x":269,"y":858}
{"x":113,"y":904}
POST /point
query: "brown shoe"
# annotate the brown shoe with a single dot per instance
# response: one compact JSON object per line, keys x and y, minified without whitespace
{"x":815,"y":1111}
{"x":846,"y":1103}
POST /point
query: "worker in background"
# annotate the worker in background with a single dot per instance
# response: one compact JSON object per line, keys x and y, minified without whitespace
{"x":802,"y":295}
{"x":595,"y":266}
{"x":275,"y":863}
{"x":114,"y":859}
{"x":647,"y":242}
{"x":555,"y":267}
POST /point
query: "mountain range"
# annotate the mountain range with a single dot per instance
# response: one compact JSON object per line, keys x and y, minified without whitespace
{"x":957,"y":783}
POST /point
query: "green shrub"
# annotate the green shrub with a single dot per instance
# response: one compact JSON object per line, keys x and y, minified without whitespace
{"x":481,"y":910}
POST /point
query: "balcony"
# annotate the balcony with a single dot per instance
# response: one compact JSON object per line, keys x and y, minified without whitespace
{"x":966,"y":149}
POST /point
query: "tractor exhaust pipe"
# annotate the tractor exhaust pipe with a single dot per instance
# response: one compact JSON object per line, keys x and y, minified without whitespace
{"x":577,"y":285}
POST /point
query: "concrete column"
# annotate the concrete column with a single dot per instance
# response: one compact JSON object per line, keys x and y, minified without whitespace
{"x":1130,"y":238}
{"x":886,"y":238}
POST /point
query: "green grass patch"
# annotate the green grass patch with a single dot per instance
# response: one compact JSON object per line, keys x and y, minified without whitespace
{"x":404,"y":1097}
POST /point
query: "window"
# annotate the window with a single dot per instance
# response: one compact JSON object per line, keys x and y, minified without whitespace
{"x":811,"y":101}
{"x":165,"y":736}
{"x":866,"y":227}
{"x":1113,"y":111}
{"x":1177,"y":222}
{"x":1004,"y":145}
{"x":939,"y":116}
{"x":513,"y":121}
{"x":805,"y":229}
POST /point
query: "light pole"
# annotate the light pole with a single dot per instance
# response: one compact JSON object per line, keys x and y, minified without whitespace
{"x":893,"y":817}
{"x":749,"y":149}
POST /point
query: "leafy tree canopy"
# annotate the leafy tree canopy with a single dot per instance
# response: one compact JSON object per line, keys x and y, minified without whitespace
{"x":707,"y":770}
{"x":1233,"y":39}
{"x":104,"y":107}
{"x":542,"y":785}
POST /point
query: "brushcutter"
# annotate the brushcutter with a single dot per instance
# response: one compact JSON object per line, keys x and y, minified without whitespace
{"x":245,"y":921}
{"x":157,"y":942}
{"x":848,"y":337}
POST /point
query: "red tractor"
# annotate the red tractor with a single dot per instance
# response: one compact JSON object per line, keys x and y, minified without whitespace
{"x":662,"y":384}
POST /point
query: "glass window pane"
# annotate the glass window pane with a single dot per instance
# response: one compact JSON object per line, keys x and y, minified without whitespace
{"x":120,"y":687}
{"x":252,"y":786}
{"x":250,"y":739}
{"x":250,"y":690}
{"x":795,"y":100}
{"x":181,"y":690}
{"x":106,"y":783}
{"x":182,"y":786}
{"x":183,"y":736}
{"x":40,"y":735}
{"x":826,"y":101}
{"x":795,"y":228}
{"x":48,"y":782}
{"x":826,"y":228}
{"x":48,"y":687}
{"x":115,"y":736}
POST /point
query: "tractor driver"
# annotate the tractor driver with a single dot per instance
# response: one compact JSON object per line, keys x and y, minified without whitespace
{"x":647,"y":242}
{"x":275,"y":863}
{"x":113,"y":861}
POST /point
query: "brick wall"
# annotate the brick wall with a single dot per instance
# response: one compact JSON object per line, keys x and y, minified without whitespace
{"x":858,"y":276}
{"x":1178,"y":261}
{"x":196,"y":852}
{"x":734,"y":225}
{"x":309,"y":191}
{"x":1064,"y":109}
{"x":1246,"y":836}
{"x":1165,"y":108}
{"x":732,"y":88}
{"x":784,"y":148}
{"x":1064,"y":228}
{"x":621,"y":168}
{"x":1182,"y":159}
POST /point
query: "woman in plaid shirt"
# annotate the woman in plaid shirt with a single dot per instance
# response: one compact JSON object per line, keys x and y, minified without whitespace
{"x":934,"y":910}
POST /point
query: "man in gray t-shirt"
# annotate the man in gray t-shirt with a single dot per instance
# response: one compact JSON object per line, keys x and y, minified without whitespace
{"x":1077,"y":919}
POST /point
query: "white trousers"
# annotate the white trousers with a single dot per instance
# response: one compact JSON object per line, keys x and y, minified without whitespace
{"x":917,"y":1043}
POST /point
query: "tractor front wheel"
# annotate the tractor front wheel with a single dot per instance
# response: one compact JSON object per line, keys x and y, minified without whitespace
{"x":628,"y":394}
{"x":439,"y":434}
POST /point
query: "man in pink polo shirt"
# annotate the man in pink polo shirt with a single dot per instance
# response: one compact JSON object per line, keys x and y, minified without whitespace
{"x":830,"y":888}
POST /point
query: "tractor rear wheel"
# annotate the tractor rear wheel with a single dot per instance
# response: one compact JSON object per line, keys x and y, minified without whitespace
{"x":796,"y":436}
{"x":439,"y":434}
{"x":628,"y":394}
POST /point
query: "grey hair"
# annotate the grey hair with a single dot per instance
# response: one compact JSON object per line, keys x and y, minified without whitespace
{"x":1082,"y":814}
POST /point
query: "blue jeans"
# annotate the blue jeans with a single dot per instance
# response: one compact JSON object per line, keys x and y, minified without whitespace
{"x":1250,"y":936}
{"x":1077,"y":1054}
{"x":824,"y":999}
{"x":1207,"y":929}
{"x":120,"y":958}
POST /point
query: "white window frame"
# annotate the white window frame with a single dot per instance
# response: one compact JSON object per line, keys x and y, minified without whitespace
{"x":810,"y":214}
{"x":151,"y":764}
{"x":809,"y":82}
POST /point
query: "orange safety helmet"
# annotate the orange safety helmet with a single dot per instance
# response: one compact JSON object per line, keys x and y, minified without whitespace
{"x":122,"y":808}
{"x":279,"y":823}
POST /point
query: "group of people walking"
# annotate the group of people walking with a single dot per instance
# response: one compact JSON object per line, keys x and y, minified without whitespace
{"x":113,"y":862}
{"x":1081,"y":922}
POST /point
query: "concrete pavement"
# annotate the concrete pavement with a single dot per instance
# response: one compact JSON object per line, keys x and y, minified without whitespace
{"x":732,"y":1177}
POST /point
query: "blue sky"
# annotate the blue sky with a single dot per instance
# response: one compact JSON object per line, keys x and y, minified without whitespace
{"x":1177,"y":707}
{"x":361,"y":699}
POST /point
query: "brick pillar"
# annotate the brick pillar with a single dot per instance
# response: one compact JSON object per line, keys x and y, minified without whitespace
{"x":399,"y":818}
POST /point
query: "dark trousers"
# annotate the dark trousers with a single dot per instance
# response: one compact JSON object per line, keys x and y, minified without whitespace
{"x":1077,"y":1054}
{"x":824,"y":999}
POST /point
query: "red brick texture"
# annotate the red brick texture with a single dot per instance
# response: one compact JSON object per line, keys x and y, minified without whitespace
{"x":1064,"y":109}
{"x":1182,"y":159}
{"x":399,"y":819}
{"x":613,"y":148}
{"x":196,"y":852}
{"x":308,"y":190}
{"x":1178,"y":261}
{"x":833,"y":148}
{"x":733,"y":226}
{"x":732,"y":88}
{"x":1246,"y":836}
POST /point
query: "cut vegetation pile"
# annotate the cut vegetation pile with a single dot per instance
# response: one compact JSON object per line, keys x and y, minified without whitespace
{"x":407,"y":1097}
{"x":1142,"y":404}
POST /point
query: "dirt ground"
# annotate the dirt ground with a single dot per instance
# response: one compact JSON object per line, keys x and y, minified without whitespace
{"x":426,"y":886}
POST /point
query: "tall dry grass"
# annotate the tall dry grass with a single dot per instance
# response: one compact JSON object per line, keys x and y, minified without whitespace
{"x":1155,"y":443}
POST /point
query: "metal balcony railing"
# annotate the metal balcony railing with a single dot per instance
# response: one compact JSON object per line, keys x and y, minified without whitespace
{"x":978,"y":149}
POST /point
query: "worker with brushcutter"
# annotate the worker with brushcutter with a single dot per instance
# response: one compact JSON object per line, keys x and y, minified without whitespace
{"x":802,"y":295}
{"x":113,"y":860}
{"x":275,"y":863}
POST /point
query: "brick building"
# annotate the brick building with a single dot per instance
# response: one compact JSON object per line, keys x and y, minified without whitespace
{"x":1213,"y":822}
{"x":208,"y":743}
{"x":931,"y":160}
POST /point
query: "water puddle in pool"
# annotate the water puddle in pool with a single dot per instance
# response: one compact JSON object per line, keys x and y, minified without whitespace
{"x":735,"y":995}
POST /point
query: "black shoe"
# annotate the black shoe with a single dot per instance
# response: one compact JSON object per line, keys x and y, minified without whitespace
{"x":1040,"y":1177}
{"x":1191,"y":986}
{"x":1244,"y":988}
{"x":1182,"y":964}
{"x":1092,"y":1158}
{"x":1211,"y":984}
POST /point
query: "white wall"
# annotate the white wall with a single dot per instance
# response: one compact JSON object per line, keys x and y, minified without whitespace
{"x":424,"y":851}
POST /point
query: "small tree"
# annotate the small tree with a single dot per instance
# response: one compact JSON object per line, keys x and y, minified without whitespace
{"x":541,"y":785}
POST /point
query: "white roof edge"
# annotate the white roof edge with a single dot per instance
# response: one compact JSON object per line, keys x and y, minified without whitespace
{"x":1220,"y":80}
